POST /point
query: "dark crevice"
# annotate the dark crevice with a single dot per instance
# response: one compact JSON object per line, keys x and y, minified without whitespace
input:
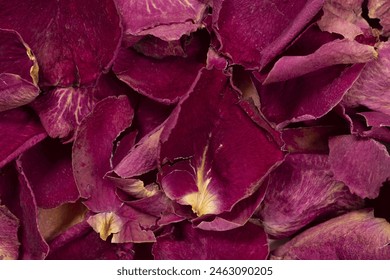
{"x":373,"y":22}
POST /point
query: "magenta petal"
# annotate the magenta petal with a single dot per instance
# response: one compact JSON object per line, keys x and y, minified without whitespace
{"x":20,"y":131}
{"x":52,"y":159}
{"x":33,"y":245}
{"x":332,"y":53}
{"x":80,"y":242}
{"x":165,"y":80}
{"x":267,"y":34}
{"x":213,"y":139}
{"x":301,"y":190}
{"x":343,"y":17}
{"x":71,"y":47}
{"x":93,"y":148}
{"x":133,"y":221}
{"x":368,"y":164}
{"x":18,"y":72}
{"x":168,"y":21}
{"x":149,"y":115}
{"x":139,"y":218}
{"x":61,"y":110}
{"x":307,"y":97}
{"x":15,"y":91}
{"x":9,"y":244}
{"x":187,"y":243}
{"x":376,"y":119}
{"x":372,"y":88}
{"x":355,"y":235}
{"x":157,"y":48}
{"x":142,"y":158}
{"x":16,"y":57}
{"x":239,"y":215}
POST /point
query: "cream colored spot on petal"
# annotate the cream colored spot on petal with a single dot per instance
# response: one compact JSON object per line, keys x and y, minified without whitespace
{"x":34,"y":70}
{"x":106,"y":224}
{"x":203,"y":201}
{"x":138,"y":189}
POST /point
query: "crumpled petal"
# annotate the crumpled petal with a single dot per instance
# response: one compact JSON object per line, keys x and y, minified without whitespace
{"x":9,"y":243}
{"x":57,"y":185}
{"x":355,"y":235}
{"x":248,"y":242}
{"x":343,"y":17}
{"x":133,"y":221}
{"x":362,"y":164}
{"x":20,"y":130}
{"x":93,"y":148}
{"x":72,"y":48}
{"x":214,"y":177}
{"x":265,"y":36}
{"x":168,"y":21}
{"x":301,"y":190}
{"x":380,"y":9}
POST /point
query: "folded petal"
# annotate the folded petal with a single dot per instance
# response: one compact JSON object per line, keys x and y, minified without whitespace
{"x":332,"y":53}
{"x":166,"y":79}
{"x":15,"y":91}
{"x":265,"y":36}
{"x":93,"y":148}
{"x":16,"y":57}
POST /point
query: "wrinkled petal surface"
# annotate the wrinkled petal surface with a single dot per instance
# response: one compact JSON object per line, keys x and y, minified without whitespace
{"x":301,"y":190}
{"x":355,"y":235}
